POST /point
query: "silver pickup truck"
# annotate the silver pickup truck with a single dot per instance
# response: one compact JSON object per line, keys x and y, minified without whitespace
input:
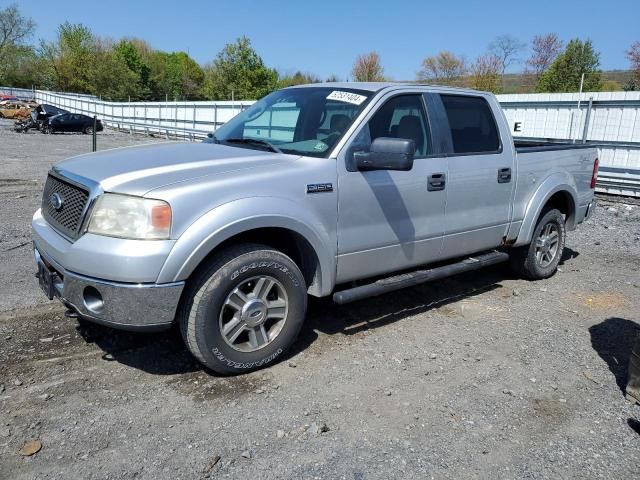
{"x":350,"y":189}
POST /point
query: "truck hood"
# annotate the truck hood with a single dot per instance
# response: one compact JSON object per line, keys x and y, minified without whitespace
{"x":137,"y":170}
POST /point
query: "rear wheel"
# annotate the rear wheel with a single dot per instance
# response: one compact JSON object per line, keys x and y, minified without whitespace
{"x":88,"y":130}
{"x":244,"y":310}
{"x":541,"y":257}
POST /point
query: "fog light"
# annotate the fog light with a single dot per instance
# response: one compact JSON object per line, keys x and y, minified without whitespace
{"x":92,"y":299}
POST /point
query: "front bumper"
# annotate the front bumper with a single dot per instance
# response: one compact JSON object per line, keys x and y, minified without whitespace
{"x":126,"y":306}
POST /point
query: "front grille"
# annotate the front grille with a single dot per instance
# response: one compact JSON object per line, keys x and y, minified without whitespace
{"x":68,"y":217}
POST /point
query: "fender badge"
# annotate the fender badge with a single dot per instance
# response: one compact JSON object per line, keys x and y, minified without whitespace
{"x":319,"y":187}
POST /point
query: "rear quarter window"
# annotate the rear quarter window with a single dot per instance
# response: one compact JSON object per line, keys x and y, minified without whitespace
{"x":473,"y":127}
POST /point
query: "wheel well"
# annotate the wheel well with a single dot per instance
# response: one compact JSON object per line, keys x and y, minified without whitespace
{"x":292,"y":244}
{"x":563,"y":201}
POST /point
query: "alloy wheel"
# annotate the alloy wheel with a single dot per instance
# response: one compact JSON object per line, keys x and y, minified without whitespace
{"x":547,"y":245}
{"x":253,"y":313}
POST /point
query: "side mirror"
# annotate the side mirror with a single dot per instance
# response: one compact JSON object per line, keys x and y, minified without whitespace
{"x":387,"y":154}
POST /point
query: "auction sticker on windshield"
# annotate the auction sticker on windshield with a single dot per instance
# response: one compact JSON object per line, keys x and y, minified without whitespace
{"x":348,"y":97}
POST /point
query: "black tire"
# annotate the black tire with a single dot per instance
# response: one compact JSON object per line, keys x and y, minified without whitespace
{"x":203,"y":308}
{"x":87,"y":130}
{"x":526,"y":260}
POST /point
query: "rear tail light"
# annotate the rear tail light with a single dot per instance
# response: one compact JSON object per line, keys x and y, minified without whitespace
{"x":594,"y":176}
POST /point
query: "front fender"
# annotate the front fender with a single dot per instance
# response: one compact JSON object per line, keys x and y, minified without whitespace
{"x":556,"y":182}
{"x":233,"y":218}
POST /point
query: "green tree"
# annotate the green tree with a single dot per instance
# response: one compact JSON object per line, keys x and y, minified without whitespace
{"x":239,"y":71}
{"x":71,"y":57}
{"x":110,"y":77}
{"x":15,"y":30}
{"x":175,"y":76}
{"x":565,"y":72}
{"x":127,"y":50}
{"x":633,"y":54}
{"x":297,"y":78}
{"x":24,"y":68}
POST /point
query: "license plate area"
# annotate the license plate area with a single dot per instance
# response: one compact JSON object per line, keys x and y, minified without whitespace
{"x":45,"y":279}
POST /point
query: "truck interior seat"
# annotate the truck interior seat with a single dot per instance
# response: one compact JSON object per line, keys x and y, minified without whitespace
{"x":338,"y":123}
{"x":411,"y":127}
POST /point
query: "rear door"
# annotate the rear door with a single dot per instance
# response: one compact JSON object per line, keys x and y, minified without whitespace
{"x":481,"y":173}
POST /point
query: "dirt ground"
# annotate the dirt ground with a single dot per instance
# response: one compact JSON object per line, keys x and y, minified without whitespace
{"x":482,"y":375}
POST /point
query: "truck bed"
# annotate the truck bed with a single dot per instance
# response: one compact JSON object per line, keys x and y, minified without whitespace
{"x":527,"y":144}
{"x":566,"y":162}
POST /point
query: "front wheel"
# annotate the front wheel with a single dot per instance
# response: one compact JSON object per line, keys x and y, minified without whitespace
{"x":541,"y":257}
{"x":88,"y":130}
{"x":244,"y":310}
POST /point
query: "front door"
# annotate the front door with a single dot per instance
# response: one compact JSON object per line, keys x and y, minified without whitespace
{"x":390,"y":220}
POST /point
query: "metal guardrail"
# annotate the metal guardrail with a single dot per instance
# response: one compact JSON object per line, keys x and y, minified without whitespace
{"x":190,"y":134}
{"x":173,"y":116}
{"x":618,"y":182}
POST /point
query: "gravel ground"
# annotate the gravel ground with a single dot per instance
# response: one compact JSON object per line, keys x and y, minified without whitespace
{"x":478,"y":376}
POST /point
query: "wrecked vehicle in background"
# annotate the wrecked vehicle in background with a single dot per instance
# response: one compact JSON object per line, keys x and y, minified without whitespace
{"x":38,"y":118}
{"x":23,"y":125}
{"x":43,"y":112}
{"x":15,"y":110}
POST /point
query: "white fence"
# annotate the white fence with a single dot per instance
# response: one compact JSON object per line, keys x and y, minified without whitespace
{"x":181,"y":119}
{"x":609,"y":119}
{"x":612,"y":119}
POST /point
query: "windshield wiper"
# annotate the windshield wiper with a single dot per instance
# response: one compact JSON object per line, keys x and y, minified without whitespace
{"x":254,"y":141}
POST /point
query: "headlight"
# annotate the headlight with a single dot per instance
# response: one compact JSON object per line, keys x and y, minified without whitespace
{"x":125,"y":216}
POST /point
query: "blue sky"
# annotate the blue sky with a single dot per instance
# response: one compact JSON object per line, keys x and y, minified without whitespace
{"x":325,"y":36}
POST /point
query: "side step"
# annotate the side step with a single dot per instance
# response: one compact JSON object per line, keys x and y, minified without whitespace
{"x":410,"y":279}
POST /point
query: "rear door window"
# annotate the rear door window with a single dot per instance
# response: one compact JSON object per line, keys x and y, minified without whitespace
{"x":473,"y":127}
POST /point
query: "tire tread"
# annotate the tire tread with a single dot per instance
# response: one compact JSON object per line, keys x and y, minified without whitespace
{"x":196,"y":288}
{"x":522,"y":259}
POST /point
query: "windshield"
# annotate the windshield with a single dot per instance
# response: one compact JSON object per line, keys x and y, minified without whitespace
{"x":305,"y":121}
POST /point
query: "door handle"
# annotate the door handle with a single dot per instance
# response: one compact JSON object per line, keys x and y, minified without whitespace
{"x":504,"y":175}
{"x":437,"y":181}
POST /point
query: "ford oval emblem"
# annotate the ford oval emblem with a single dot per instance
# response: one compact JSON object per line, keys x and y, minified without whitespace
{"x":56,"y":200}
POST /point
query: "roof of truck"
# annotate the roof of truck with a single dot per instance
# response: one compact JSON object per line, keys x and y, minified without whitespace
{"x":377,"y":86}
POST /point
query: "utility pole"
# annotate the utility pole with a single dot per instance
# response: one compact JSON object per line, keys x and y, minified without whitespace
{"x":579,"y":92}
{"x":579,"y":98}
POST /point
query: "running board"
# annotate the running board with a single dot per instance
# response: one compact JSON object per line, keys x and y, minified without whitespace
{"x":417,"y":277}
